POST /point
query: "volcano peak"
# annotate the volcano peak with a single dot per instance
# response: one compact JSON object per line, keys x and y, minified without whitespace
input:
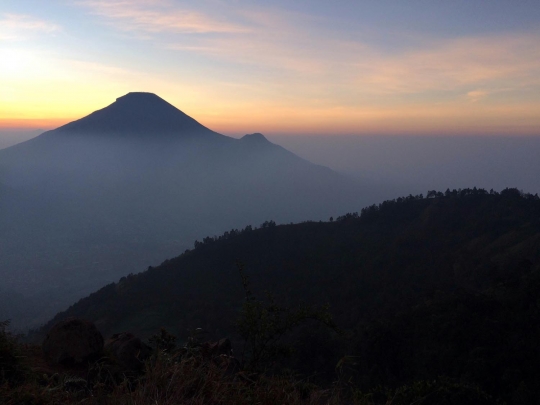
{"x":139,"y":96}
{"x":139,"y":114}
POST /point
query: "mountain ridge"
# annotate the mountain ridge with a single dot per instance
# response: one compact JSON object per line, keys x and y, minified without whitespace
{"x":442,"y":286}
{"x":138,"y":114}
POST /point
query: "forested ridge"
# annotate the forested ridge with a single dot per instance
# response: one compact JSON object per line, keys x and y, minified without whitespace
{"x":442,"y":286}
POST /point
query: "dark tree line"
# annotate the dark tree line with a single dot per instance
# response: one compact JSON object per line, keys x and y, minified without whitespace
{"x":445,"y":285}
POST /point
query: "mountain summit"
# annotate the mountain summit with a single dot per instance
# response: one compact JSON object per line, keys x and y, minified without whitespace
{"x":255,"y":138}
{"x":138,"y":114}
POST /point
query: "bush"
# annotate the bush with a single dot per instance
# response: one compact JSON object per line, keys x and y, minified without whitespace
{"x":11,"y":369}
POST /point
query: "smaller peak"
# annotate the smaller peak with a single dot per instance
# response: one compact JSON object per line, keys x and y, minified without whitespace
{"x":256,"y":137}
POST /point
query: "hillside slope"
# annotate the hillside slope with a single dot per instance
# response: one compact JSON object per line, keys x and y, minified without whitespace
{"x":423,"y":287}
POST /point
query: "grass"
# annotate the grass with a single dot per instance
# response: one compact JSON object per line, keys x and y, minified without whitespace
{"x":167,"y":380}
{"x":189,"y":377}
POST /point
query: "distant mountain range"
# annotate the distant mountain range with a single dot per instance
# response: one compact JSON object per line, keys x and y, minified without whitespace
{"x":134,"y":183}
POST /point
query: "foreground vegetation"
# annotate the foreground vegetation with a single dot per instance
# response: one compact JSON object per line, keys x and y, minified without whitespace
{"x":187,"y":376}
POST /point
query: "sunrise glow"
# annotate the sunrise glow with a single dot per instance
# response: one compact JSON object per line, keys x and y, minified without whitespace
{"x":274,"y":69}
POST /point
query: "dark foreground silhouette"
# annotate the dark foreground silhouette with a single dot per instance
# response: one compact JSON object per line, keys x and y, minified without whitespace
{"x":442,"y":289}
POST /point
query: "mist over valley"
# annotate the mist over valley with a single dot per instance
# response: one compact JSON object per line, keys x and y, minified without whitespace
{"x":136,"y":183}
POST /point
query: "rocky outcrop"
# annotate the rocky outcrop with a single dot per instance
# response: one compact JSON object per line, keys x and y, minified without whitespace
{"x":72,"y":341}
{"x":128,"y":350}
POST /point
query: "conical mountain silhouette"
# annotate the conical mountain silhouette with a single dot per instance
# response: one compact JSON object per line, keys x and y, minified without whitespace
{"x":139,"y":114}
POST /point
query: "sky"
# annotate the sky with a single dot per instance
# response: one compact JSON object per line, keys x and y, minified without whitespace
{"x":422,"y":67}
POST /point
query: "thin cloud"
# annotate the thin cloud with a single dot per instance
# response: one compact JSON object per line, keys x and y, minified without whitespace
{"x":343,"y":71}
{"x":19,"y":26}
{"x":335,"y":72}
{"x":277,"y":40}
{"x":512,"y":61}
{"x":157,"y":17}
{"x":476,"y":95}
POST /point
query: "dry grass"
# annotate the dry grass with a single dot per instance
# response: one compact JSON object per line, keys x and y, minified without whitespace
{"x":166,"y":381}
{"x":195,"y":379}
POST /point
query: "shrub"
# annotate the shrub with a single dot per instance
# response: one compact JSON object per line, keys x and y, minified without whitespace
{"x":11,"y":369}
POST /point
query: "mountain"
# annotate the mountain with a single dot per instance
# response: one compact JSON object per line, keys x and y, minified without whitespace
{"x":134,"y":183}
{"x":139,"y":115}
{"x":423,"y":289}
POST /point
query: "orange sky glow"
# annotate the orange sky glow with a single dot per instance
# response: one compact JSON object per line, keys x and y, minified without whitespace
{"x":266,"y":70}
